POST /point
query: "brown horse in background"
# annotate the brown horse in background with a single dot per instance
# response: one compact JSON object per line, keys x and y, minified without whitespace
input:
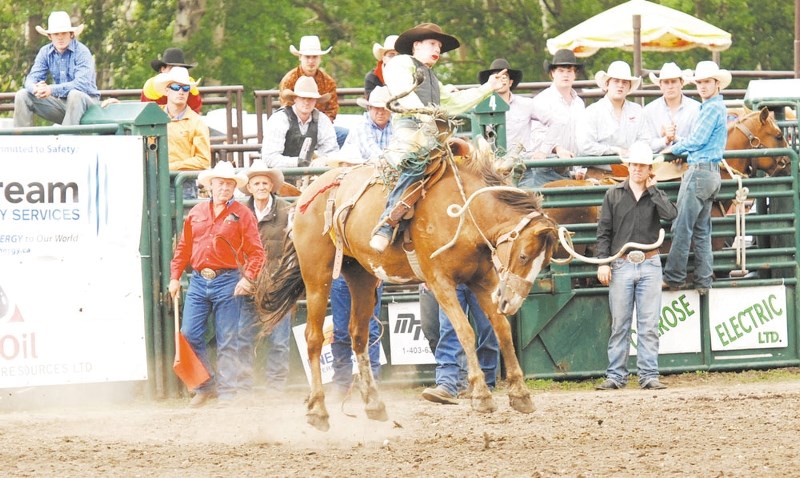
{"x":500,"y":241}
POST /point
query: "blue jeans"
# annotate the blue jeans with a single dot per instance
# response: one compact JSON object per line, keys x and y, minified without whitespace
{"x":639,"y":285}
{"x":538,"y":177}
{"x":405,"y":180}
{"x":216,"y":295}
{"x":341,"y":347}
{"x":277,"y":360}
{"x":699,"y":187}
{"x":341,"y":134}
{"x":65,"y":111}
{"x":451,"y":361}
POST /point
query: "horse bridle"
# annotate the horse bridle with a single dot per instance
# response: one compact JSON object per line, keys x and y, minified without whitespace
{"x":755,"y":143}
{"x":519,"y":285}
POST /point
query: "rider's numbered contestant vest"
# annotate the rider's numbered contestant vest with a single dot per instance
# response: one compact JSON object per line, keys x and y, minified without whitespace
{"x":294,"y":138}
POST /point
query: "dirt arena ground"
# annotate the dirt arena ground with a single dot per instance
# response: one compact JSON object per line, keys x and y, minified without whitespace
{"x":705,"y":425}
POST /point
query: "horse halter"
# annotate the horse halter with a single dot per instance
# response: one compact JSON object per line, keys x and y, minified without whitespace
{"x":755,"y":143}
{"x":518,"y":284}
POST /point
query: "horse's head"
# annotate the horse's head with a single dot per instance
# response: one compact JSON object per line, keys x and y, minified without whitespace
{"x":520,"y":255}
{"x":757,"y":130}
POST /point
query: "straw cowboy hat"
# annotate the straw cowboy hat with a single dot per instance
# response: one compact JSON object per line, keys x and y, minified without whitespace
{"x":310,"y":46}
{"x":259,"y":168}
{"x":670,"y":71}
{"x":379,"y":50}
{"x":709,"y":69}
{"x":425,"y":31}
{"x":171,"y":57}
{"x":499,"y":65}
{"x":59,"y":22}
{"x":223,"y":170}
{"x":641,"y":153}
{"x":378,"y":98}
{"x":177,"y":74}
{"x":305,"y":87}
{"x":619,"y":70}
{"x":563,"y":57}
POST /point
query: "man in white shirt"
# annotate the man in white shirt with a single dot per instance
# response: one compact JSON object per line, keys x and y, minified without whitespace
{"x":671,"y":116}
{"x":612,"y":124}
{"x":559,"y":109}
{"x":293,"y":134}
{"x":367,"y":140}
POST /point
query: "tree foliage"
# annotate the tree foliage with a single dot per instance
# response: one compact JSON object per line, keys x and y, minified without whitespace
{"x":247,"y":42}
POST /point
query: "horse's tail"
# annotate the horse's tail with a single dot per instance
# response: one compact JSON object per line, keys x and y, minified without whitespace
{"x":277,"y":293}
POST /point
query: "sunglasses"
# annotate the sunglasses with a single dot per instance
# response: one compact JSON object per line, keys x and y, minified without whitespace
{"x":177,"y":87}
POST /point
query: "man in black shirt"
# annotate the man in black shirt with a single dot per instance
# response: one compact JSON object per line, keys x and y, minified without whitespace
{"x":631,"y":212}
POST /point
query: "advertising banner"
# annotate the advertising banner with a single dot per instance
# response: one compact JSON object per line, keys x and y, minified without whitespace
{"x":71,"y":304}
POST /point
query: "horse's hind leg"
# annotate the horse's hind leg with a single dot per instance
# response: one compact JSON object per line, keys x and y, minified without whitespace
{"x":317,"y":300}
{"x":364,"y":304}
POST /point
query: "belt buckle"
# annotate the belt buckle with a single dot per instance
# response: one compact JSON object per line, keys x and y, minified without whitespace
{"x":208,"y":274}
{"x":636,"y":257}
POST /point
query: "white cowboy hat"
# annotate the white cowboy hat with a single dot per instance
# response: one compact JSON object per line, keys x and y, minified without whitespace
{"x":709,"y":69}
{"x":59,"y":22}
{"x":378,"y":98}
{"x":177,"y":74}
{"x":259,"y":168}
{"x":305,"y":87}
{"x":223,"y":170}
{"x":669,"y":71}
{"x":641,"y":153}
{"x":309,"y":45}
{"x":619,"y":70}
{"x":379,"y":50}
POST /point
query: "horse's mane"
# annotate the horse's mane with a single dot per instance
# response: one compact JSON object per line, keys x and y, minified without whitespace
{"x":482,"y":165}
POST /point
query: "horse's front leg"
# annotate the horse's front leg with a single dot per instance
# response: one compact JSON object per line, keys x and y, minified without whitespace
{"x":317,"y":413}
{"x":519,"y":396}
{"x":482,"y":400}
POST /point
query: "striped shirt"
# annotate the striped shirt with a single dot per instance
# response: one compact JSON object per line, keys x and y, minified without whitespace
{"x":367,"y":140}
{"x":706,"y":142}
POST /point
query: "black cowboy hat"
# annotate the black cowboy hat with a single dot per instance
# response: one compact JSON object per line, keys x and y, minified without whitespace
{"x":424,"y":31}
{"x":173,"y":57}
{"x":563,"y":57}
{"x":498,"y":65}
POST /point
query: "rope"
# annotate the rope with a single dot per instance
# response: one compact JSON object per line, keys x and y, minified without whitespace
{"x":562,"y":231}
{"x":739,"y":202}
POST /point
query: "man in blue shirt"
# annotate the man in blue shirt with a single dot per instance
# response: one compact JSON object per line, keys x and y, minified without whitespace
{"x":70,"y":65}
{"x":701,"y":182}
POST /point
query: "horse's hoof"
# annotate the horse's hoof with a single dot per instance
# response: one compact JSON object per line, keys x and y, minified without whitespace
{"x":523,"y":404}
{"x":318,"y":422}
{"x":377,"y":412}
{"x":484,"y":405}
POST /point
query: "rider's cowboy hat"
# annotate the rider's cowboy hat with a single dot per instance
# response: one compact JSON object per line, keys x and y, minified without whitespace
{"x":709,"y":69}
{"x":59,"y":22}
{"x":499,"y":65}
{"x":641,"y":153}
{"x":563,"y":57}
{"x":259,"y":168}
{"x":177,"y":74}
{"x":620,"y":71}
{"x":670,"y":71}
{"x":223,"y":170}
{"x":378,"y":98}
{"x":425,"y":31}
{"x":171,"y":57}
{"x":379,"y":50}
{"x":309,"y":46}
{"x":305,"y":87}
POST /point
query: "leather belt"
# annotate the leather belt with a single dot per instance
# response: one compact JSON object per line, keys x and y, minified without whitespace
{"x":637,"y":257}
{"x":209,"y":274}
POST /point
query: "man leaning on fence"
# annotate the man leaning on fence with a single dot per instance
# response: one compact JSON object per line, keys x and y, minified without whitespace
{"x":70,"y":65}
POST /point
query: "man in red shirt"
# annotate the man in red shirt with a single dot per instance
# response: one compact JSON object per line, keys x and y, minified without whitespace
{"x":220,"y":241}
